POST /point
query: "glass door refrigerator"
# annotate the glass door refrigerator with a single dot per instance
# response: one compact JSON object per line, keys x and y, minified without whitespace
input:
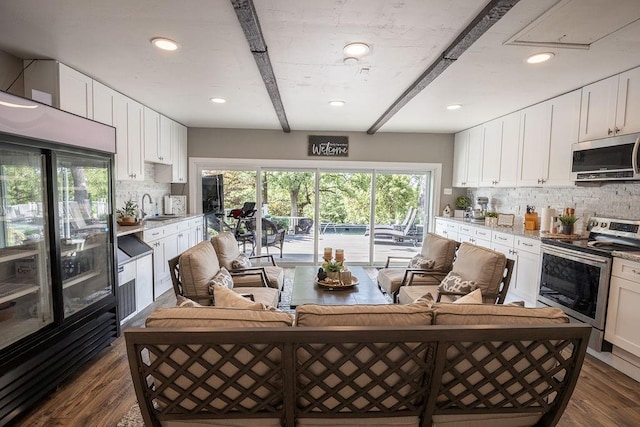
{"x":58,"y":306}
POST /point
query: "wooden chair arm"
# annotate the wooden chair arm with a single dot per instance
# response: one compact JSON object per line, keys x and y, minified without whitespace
{"x":253,"y":271}
{"x":410,"y":273}
{"x":270,"y":257}
{"x":389,"y":258}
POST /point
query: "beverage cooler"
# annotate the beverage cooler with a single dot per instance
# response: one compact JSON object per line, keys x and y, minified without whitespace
{"x":57,"y":293}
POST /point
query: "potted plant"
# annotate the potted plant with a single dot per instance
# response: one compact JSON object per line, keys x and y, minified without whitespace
{"x":462,"y":203}
{"x":128,"y":212}
{"x":567,"y":222}
{"x":491,"y":219}
{"x":332,"y":269}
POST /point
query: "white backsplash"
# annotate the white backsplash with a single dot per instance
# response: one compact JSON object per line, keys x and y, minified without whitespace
{"x":619,"y":200}
{"x":134,"y":190}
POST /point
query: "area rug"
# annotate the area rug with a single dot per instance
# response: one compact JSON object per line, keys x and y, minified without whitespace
{"x":132,"y":419}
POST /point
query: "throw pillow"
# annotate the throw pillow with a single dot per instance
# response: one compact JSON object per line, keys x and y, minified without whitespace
{"x":474,"y":297}
{"x":222,"y":278}
{"x":453,"y":282}
{"x":426,"y":299}
{"x":226,"y":298}
{"x":242,"y":261}
{"x":421,"y":262}
{"x":186,"y":302}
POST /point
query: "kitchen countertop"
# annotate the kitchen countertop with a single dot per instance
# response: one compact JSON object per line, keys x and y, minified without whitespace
{"x":631,"y":256}
{"x":123,"y":230}
{"x":516,"y":230}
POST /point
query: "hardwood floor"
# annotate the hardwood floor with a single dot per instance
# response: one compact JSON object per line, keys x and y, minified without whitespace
{"x":102,"y":393}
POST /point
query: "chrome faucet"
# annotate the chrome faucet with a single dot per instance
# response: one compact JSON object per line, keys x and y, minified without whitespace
{"x":142,"y":211}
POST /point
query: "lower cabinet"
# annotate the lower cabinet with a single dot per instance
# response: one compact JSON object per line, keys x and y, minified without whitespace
{"x":623,"y":316}
{"x":524,"y":281}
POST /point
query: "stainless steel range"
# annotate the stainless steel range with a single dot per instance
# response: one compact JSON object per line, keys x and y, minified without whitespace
{"x":574,"y":274}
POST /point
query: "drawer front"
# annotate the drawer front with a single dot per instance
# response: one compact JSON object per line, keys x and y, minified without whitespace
{"x":527,"y":245}
{"x":153,"y":234}
{"x":502,"y":238}
{"x":466,"y":229}
{"x":483,"y":233}
{"x":196,"y":222}
{"x":184,"y":225}
{"x":626,"y":269}
{"x":450,"y":226}
{"x":172,"y":228}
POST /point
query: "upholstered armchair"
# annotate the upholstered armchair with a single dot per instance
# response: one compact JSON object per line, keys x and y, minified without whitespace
{"x":429,"y":267}
{"x":475,"y":267}
{"x":230,"y":257}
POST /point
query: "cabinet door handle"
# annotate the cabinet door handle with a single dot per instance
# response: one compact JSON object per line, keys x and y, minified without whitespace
{"x":500,"y":238}
{"x":634,"y":271}
{"x":609,"y":131}
{"x":526,"y":244}
{"x":616,"y":130}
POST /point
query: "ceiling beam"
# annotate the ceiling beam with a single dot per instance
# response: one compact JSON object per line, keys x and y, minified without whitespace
{"x":491,"y":14}
{"x":246,"y":13}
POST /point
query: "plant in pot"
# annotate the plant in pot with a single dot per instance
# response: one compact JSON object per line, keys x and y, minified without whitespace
{"x":332,"y":269}
{"x":128,"y":213}
{"x":462,"y":203}
{"x":567,"y":222}
{"x":491,"y":218}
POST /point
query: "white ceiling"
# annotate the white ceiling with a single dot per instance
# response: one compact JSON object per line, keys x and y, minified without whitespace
{"x":109,"y":40}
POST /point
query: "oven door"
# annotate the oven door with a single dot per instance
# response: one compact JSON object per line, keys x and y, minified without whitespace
{"x":575,"y":281}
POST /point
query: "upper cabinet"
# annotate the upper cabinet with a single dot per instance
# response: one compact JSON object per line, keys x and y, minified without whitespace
{"x":467,"y":154}
{"x":611,"y":106}
{"x":66,"y":88}
{"x":500,"y":151}
{"x":565,"y":121}
{"x":129,"y":148}
{"x":157,"y":137}
{"x":535,"y":122}
{"x":176,"y":172}
{"x":460,"y":158}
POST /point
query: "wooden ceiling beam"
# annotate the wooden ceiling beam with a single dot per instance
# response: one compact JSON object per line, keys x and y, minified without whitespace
{"x":248,"y":18}
{"x":491,"y":14}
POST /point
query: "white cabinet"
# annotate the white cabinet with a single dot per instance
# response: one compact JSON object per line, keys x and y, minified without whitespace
{"x":524,"y":281}
{"x":623,"y":316}
{"x":491,"y":153}
{"x":144,"y":282}
{"x":196,"y":231}
{"x":611,"y":106}
{"x":447,"y":229}
{"x":70,"y":90}
{"x":500,"y":152}
{"x":467,"y":153}
{"x":565,"y":121}
{"x":103,"y":103}
{"x":177,"y":171}
{"x":157,"y":137}
{"x":129,"y":148}
{"x":534,"y":144}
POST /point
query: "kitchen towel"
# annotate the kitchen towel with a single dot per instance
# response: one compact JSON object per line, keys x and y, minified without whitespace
{"x":546,"y":219}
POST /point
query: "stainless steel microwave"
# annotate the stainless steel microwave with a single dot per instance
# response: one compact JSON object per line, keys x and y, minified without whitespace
{"x":607,"y":159}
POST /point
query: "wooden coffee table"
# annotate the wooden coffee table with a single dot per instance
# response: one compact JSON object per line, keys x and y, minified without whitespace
{"x":305,"y":291}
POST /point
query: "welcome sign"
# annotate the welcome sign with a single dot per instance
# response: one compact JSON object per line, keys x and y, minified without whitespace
{"x":328,"y":146}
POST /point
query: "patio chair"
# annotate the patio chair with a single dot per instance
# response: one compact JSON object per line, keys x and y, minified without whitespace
{"x":438,"y":249}
{"x":272,"y":235}
{"x":304,"y":226}
{"x":408,"y":232}
{"x":398,"y":227}
{"x":490,"y":270}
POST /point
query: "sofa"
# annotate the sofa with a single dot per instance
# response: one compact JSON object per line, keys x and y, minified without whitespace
{"x":419,"y":364}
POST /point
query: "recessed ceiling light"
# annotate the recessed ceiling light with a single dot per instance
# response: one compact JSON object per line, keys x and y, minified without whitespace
{"x":336,"y":103}
{"x":356,"y":49}
{"x":540,"y":57}
{"x":350,"y":60}
{"x":454,"y":107}
{"x":218,"y":100}
{"x":164,"y":44}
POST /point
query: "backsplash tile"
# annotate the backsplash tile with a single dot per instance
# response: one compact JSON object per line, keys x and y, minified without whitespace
{"x":134,"y":190}
{"x":618,"y":200}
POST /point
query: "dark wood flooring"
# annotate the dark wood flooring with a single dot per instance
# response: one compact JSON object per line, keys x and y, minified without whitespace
{"x":102,"y":393}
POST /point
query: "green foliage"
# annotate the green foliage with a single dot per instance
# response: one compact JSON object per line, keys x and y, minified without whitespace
{"x":331,"y":266}
{"x":491,"y":214}
{"x":463,"y":202}
{"x":130,"y":209}
{"x":567,"y":219}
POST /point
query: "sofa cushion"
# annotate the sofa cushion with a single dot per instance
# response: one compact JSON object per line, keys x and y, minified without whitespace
{"x":186,"y":302}
{"x":226,"y":298}
{"x":226,"y":246}
{"x":474,"y":297}
{"x":363,"y":315}
{"x":439,"y":249}
{"x":495,"y":314}
{"x":197,"y":266}
{"x":214,"y":317}
{"x":242,"y":261}
{"x":390,"y":279}
{"x":483,"y":266}
{"x":453,"y":282}
{"x":421,"y":262}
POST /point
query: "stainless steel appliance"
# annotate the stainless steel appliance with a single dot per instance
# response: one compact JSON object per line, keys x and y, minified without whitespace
{"x":575,"y":274}
{"x":607,"y":159}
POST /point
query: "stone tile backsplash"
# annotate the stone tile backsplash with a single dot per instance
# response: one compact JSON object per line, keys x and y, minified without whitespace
{"x":618,"y":200}
{"x":134,"y":190}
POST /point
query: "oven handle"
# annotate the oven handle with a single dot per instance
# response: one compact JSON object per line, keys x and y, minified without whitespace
{"x":634,"y":159}
{"x":574,"y":255}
